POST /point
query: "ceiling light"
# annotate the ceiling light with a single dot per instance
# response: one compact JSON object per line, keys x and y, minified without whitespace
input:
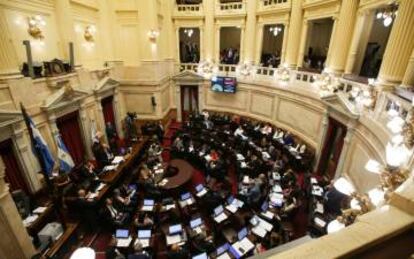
{"x":373,"y":166}
{"x":379,"y":15}
{"x":376,"y":196}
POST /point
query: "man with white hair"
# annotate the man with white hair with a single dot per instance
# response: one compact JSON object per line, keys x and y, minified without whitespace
{"x":101,"y":151}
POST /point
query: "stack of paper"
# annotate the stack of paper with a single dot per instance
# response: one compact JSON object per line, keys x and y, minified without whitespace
{"x":221,"y":217}
{"x":110,"y":168}
{"x":123,"y":242}
{"x":40,"y":210}
{"x":29,"y":220}
{"x":118,"y":160}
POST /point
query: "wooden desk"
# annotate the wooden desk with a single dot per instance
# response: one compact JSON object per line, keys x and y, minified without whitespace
{"x":54,"y":250}
{"x":184,"y":174}
{"x":41,"y":221}
{"x":113,"y":176}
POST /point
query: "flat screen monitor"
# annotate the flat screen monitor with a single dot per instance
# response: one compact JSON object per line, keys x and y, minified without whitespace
{"x":265,"y":206}
{"x":144,"y":234}
{"x":148,"y":202}
{"x":175,"y":229}
{"x":122,"y":233}
{"x":201,"y":256}
{"x":195,"y":222}
{"x":185,"y":196}
{"x":218,"y":210}
{"x":222,"y":249}
{"x":242,"y":233}
{"x":199,"y":188}
{"x":223,"y":84}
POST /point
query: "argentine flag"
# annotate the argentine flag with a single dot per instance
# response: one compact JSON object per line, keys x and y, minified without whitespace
{"x":43,"y":150}
{"x":65,"y":160}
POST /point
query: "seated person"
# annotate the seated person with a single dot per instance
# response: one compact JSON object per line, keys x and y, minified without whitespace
{"x":239,"y":132}
{"x":177,"y":252}
{"x":86,"y":209}
{"x":144,"y":220}
{"x":267,"y":129}
{"x":288,"y":139}
{"x":113,"y":215}
{"x":112,"y":252}
{"x":138,"y":253}
{"x":203,"y":243}
{"x":178,"y":144}
{"x":122,"y":202}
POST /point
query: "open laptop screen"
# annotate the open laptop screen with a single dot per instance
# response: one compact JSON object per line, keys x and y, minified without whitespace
{"x":122,"y":233}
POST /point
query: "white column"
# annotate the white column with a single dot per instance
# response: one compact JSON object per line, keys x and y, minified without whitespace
{"x":322,"y":136}
{"x":242,"y":45}
{"x":408,"y":80}
{"x":9,"y":63}
{"x":202,"y":55}
{"x":302,"y":46}
{"x":284,"y":44}
{"x":86,"y":131}
{"x":249,"y":42}
{"x":14,"y":242}
{"x":178,"y":101}
{"x":209,"y":49}
{"x":118,"y":114}
{"x":217,"y":45}
{"x":344,"y":151}
{"x":101,"y":119}
{"x":294,"y":33}
{"x":259,"y":45}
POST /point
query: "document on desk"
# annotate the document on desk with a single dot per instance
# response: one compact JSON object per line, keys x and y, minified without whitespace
{"x":243,"y":246}
{"x":221,"y":217}
{"x":147,"y":208}
{"x":240,"y":157}
{"x":100,"y":187}
{"x":40,"y":210}
{"x":123,"y":242}
{"x":109,"y":168}
{"x":265,"y":225}
{"x":319,"y":222}
{"x":259,"y":231}
{"x":268,"y":214}
{"x":29,"y":220}
{"x":319,"y":208}
{"x":117,"y":160}
{"x":144,"y":242}
{"x":169,"y":206}
{"x":201,"y":193}
{"x":232,"y":208}
{"x":224,"y":256}
{"x":174,"y":239}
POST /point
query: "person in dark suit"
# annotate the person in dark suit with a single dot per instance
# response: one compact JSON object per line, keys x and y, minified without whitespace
{"x":177,"y":252}
{"x":138,"y":253}
{"x":111,"y":135}
{"x":86,"y":209}
{"x":111,"y":252}
{"x":101,"y":151}
{"x":112,"y":215}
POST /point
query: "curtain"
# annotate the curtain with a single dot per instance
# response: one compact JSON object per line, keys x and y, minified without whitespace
{"x":108,"y":110}
{"x":13,"y":174}
{"x":69,"y":129}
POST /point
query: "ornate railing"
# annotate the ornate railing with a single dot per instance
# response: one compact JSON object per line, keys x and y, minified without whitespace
{"x":188,"y":9}
{"x":268,"y":5}
{"x":231,"y":8}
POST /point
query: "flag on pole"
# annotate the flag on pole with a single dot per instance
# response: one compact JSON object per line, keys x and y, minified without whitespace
{"x":39,"y":145}
{"x":65,"y":160}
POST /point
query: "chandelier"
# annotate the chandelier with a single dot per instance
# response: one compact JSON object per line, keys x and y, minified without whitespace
{"x":275,"y":30}
{"x":189,"y":32}
{"x":387,"y":14}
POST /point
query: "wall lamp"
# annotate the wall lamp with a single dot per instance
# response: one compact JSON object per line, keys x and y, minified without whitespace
{"x":34,"y":30}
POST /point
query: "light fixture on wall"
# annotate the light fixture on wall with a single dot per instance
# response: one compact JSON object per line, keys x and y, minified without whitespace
{"x":326,"y":83}
{"x":35,"y":22}
{"x":359,"y":204}
{"x":189,"y":32}
{"x":207,"y":68}
{"x":275,"y":30}
{"x":89,"y":32}
{"x":153,"y":35}
{"x":388,"y":14}
{"x":245,"y":69}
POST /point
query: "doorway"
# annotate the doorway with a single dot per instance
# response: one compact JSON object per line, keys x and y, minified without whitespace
{"x":189,"y":101}
{"x":230,"y":39}
{"x":189,"y":45}
{"x":14,"y":176}
{"x":71,"y":134}
{"x":272,"y":45}
{"x":332,"y":148}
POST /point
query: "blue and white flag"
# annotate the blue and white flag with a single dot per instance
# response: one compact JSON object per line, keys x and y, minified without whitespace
{"x":42,"y":151}
{"x":65,"y":160}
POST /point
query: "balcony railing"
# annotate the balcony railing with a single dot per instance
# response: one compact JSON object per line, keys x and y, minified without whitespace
{"x":188,"y":9}
{"x":231,"y":8}
{"x":269,"y":5}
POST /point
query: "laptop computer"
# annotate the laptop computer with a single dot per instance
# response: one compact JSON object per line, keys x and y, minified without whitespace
{"x":201,"y":256}
{"x":222,"y":249}
{"x":196,"y":222}
{"x":242,"y":233}
{"x":144,"y":234}
{"x":175,"y":229}
{"x":185,"y":196}
{"x":218,"y":210}
{"x":148,"y":202}
{"x":199,"y":188}
{"x":122,"y":233}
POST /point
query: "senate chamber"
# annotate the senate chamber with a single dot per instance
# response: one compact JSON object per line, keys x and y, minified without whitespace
{"x":203,"y":129}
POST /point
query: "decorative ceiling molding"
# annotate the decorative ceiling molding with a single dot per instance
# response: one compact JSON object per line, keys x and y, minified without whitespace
{"x":8,"y":117}
{"x":188,"y":77}
{"x":105,"y":84}
{"x":66,"y":95}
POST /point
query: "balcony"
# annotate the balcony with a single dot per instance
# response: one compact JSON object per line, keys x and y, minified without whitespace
{"x":267,"y":6}
{"x":230,"y":8}
{"x":185,"y":10}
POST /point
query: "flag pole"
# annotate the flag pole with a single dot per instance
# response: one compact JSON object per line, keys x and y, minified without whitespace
{"x":51,"y":187}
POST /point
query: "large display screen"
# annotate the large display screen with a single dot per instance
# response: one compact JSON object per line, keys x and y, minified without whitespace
{"x":223,"y":84}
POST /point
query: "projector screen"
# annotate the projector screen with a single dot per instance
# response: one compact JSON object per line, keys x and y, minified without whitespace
{"x":223,"y":84}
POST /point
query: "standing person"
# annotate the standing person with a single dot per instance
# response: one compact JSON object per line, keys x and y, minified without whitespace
{"x":111,"y":135}
{"x":101,"y":151}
